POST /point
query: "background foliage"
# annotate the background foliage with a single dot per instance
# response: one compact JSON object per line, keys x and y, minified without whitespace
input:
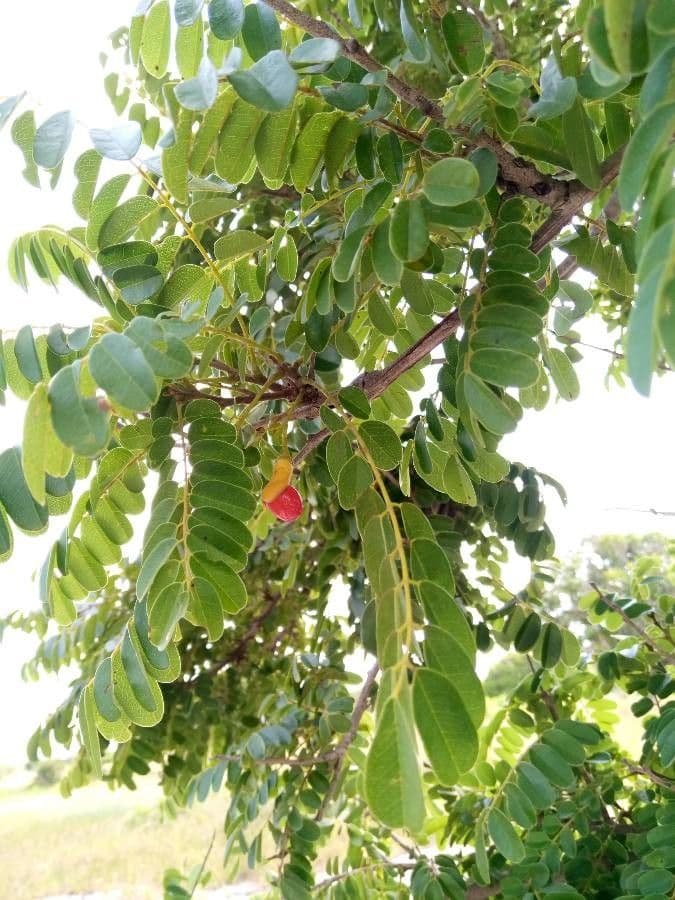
{"x":299,"y":206}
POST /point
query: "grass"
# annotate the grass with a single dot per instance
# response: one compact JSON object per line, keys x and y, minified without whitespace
{"x":101,"y":841}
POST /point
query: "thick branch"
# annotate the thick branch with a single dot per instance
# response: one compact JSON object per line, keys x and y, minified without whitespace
{"x":517,"y":175}
{"x":569,"y":208}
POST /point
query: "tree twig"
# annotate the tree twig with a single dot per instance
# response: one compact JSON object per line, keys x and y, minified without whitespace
{"x":654,"y":777}
{"x":634,"y":627}
{"x":338,"y":752}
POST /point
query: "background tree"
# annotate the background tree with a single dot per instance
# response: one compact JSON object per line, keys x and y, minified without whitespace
{"x":337,"y":191}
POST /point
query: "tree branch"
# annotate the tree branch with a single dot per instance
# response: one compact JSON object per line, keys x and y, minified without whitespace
{"x":517,"y":174}
{"x":661,"y":780}
{"x":634,"y":627}
{"x":338,"y":752}
{"x":578,"y":196}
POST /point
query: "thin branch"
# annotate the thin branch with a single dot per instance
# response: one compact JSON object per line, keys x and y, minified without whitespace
{"x":634,"y":627}
{"x":635,"y":509}
{"x":239,"y":650}
{"x":368,"y":867}
{"x":344,"y":745}
{"x":235,"y":373}
{"x":661,"y":780}
{"x":338,"y":752}
{"x":615,"y":353}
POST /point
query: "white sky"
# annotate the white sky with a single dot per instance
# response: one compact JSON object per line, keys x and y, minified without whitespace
{"x":609,"y":448}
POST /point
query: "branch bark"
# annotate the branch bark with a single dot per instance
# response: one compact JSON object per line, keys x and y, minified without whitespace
{"x":517,"y":175}
{"x":578,"y":196}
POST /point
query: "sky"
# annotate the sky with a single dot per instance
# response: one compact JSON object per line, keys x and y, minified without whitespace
{"x":610,"y":448}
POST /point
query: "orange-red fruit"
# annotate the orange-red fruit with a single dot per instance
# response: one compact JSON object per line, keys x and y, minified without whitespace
{"x":286,"y":506}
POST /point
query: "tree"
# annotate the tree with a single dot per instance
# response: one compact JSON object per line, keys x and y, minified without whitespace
{"x":338,"y":186}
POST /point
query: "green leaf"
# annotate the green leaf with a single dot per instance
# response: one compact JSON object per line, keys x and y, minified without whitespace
{"x":557,"y":92}
{"x":447,"y":732}
{"x":165,"y":612}
{"x":536,"y":787}
{"x":152,"y":563}
{"x":315,"y":52}
{"x":8,"y":106}
{"x":134,"y":691}
{"x":286,"y":259}
{"x":551,"y":646}
{"x":274,"y":144}
{"x":393,"y":787}
{"x":238,"y":245}
{"x":309,"y":149}
{"x":451,"y":182}
{"x":504,"y":836}
{"x":119,"y":367}
{"x":504,"y":367}
{"x":381,"y":315}
{"x":457,"y":483}
{"x":551,"y":764}
{"x":338,"y":452}
{"x":355,"y":401}
{"x":80,"y":422}
{"x":121,"y":143}
{"x":444,"y":653}
{"x":228,"y":585}
{"x":563,"y":374}
{"x":26,"y":355}
{"x":354,"y":478}
{"x":23,"y":135}
{"x":269,"y":84}
{"x":15,"y":496}
{"x":518,"y":806}
{"x":408,"y":234}
{"x":236,"y":142}
{"x":205,"y":608}
{"x":646,"y":144}
{"x":186,"y":12}
{"x":464,"y":38}
{"x":348,"y":255}
{"x":578,"y":136}
{"x":226,"y":18}
{"x":86,"y":714}
{"x":382,"y":442}
{"x":125,"y":219}
{"x":39,"y":442}
{"x":387,"y":267}
{"x":260,"y":31}
{"x":138,"y":283}
{"x":212,"y":208}
{"x":488,"y":407}
{"x":200,"y":92}
{"x":156,"y":39}
{"x":87,"y":168}
{"x":52,"y":140}
{"x":528,"y":633}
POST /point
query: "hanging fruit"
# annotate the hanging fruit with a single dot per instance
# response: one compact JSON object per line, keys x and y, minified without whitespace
{"x":279,"y":496}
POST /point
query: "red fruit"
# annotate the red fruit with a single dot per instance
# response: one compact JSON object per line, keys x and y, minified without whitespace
{"x":287,"y":506}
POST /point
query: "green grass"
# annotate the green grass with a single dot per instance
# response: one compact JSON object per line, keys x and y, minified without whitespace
{"x":100,"y":840}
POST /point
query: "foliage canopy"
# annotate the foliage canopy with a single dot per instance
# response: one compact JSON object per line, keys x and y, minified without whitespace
{"x":300,"y":205}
